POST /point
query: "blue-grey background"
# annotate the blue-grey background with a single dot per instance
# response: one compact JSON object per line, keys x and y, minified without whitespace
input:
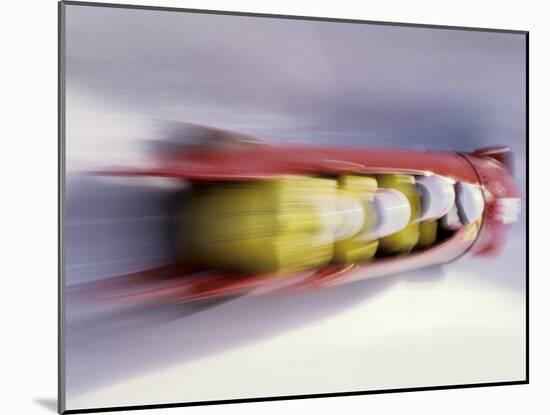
{"x":130,"y":72}
{"x":289,"y":80}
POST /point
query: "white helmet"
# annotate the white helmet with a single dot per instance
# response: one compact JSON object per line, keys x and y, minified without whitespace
{"x":393,"y":212}
{"x":469,"y":201}
{"x":437,"y":196}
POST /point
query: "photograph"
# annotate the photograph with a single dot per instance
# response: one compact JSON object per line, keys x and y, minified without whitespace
{"x":260,"y":207}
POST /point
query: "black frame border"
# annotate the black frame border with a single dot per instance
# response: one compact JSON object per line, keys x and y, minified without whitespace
{"x":61,"y":207}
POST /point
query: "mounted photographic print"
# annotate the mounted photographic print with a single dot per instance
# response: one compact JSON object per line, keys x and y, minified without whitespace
{"x":261,"y":207}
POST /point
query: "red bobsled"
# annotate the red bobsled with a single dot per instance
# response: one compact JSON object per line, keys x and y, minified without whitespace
{"x":238,"y":159}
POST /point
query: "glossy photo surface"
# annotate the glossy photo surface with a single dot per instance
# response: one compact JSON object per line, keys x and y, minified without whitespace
{"x":258,"y":207}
